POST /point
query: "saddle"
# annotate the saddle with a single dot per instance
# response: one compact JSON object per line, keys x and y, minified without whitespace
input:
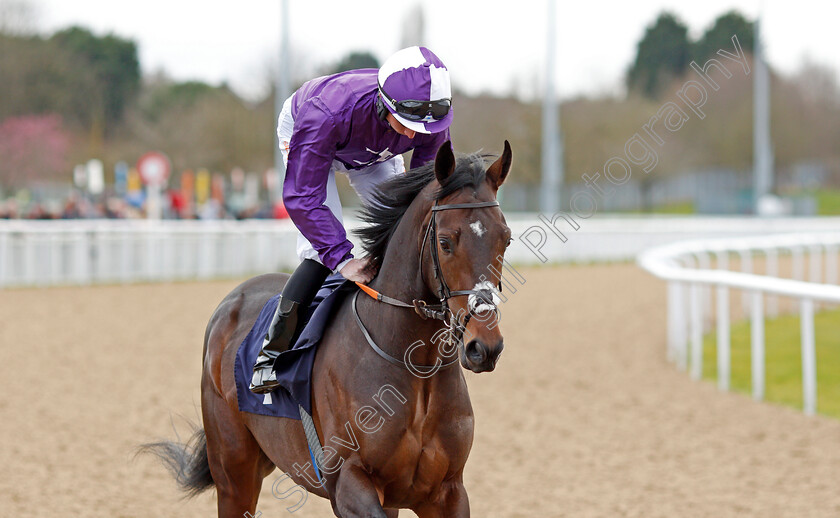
{"x":294,"y":366}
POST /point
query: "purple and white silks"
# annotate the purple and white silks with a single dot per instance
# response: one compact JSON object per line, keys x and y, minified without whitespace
{"x":417,"y":74}
{"x":335,"y":120}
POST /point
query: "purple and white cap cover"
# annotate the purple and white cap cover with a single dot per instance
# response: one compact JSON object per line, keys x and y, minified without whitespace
{"x":416,"y":73}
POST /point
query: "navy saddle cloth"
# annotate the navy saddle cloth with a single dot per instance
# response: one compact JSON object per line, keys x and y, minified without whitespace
{"x":293,"y":367}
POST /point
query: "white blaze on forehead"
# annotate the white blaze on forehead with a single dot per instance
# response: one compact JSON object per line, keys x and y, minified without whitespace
{"x":478,"y":228}
{"x":479,"y":305}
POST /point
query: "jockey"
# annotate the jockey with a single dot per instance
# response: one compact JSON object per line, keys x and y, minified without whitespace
{"x":359,"y":123}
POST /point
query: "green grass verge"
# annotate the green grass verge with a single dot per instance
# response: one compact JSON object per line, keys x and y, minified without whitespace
{"x":676,"y":208}
{"x":683,"y":208}
{"x":828,"y":202}
{"x":783,"y":364}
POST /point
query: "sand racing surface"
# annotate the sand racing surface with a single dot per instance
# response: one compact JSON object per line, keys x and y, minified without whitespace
{"x":583,"y":416}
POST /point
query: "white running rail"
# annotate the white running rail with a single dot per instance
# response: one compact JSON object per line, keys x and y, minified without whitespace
{"x":82,"y":252}
{"x":686,"y":267}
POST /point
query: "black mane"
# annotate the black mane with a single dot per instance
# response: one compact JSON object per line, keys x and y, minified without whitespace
{"x":392,"y":198}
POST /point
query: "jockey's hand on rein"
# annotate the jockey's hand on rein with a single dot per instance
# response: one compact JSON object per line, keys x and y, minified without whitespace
{"x":359,"y":270}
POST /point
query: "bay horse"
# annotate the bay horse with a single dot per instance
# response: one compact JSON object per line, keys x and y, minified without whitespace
{"x":436,"y":234}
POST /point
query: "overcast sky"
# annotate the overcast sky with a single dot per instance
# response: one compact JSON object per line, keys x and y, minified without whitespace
{"x":487,"y":44}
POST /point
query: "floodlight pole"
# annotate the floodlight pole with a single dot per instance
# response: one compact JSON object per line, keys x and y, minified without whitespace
{"x":552,"y":144}
{"x":282,"y":92}
{"x":762,"y":151}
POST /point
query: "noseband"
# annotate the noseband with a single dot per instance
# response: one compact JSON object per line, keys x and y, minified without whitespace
{"x":440,"y":311}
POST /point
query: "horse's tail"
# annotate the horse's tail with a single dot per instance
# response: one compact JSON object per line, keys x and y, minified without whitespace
{"x":186,"y":461}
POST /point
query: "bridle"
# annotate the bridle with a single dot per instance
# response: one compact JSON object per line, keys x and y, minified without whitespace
{"x":439,"y":311}
{"x":444,"y":293}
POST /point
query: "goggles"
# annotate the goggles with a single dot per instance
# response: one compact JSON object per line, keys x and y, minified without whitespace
{"x":419,"y":110}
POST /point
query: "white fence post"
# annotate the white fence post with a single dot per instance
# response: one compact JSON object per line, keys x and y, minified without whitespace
{"x":673,"y":263}
{"x":29,"y":241}
{"x":722,"y":322}
{"x":772,"y":271}
{"x":81,"y":258}
{"x":704,"y":263}
{"x":104,"y":264}
{"x":674,"y":321}
{"x":809,"y":359}
{"x":746,"y":267}
{"x":5,"y":257}
{"x":696,"y":305}
{"x":815,"y":269}
{"x":723,"y":338}
{"x":815,"y":266}
{"x":56,"y":274}
{"x":798,"y":263}
{"x":680,"y":335}
{"x":151,"y":254}
{"x":757,"y":349}
{"x":831,"y":264}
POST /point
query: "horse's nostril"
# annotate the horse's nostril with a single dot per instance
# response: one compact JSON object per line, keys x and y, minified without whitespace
{"x":476,"y":352}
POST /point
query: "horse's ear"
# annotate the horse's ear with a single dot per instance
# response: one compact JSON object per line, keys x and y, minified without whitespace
{"x":500,"y":168}
{"x":444,"y":162}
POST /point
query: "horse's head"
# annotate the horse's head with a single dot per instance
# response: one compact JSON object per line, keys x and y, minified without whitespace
{"x":470,"y":237}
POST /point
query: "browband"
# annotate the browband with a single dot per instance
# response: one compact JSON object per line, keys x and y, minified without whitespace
{"x":494,"y":203}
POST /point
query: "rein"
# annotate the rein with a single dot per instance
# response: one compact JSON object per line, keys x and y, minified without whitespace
{"x":424,"y":369}
{"x":438,"y":311}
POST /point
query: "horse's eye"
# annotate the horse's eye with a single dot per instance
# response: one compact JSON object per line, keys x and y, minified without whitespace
{"x":509,"y":241}
{"x":445,"y":245}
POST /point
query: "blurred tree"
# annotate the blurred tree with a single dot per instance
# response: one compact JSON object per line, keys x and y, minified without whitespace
{"x":40,"y":78}
{"x":805,"y":110}
{"x":198,"y":125}
{"x":355,"y":60}
{"x":598,"y":129}
{"x":112,"y":62}
{"x":160,"y":95}
{"x":719,"y":36}
{"x":818,"y":84}
{"x":662,"y":54}
{"x":723,"y":139}
{"x":485,"y":122}
{"x":201,"y":125}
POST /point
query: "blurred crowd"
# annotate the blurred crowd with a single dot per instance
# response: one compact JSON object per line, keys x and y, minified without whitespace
{"x":174,"y":206}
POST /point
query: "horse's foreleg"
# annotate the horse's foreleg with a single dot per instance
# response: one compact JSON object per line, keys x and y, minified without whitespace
{"x":356,"y":496}
{"x":452,"y":503}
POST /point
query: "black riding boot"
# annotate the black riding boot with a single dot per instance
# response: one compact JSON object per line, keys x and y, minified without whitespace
{"x":298,"y":293}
